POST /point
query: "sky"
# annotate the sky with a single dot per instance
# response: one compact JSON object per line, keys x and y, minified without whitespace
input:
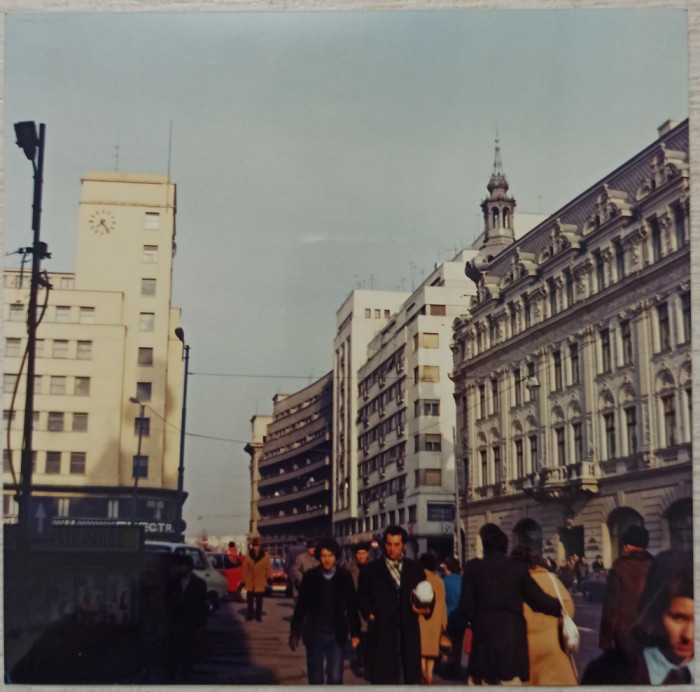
{"x":315,"y":153}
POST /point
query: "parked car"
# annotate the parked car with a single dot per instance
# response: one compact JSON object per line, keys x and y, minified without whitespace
{"x":217,"y":585}
{"x":593,"y":587}
{"x":278,"y":583}
{"x":232,"y":568}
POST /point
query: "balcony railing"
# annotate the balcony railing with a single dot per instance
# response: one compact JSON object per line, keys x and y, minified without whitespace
{"x":292,"y":518}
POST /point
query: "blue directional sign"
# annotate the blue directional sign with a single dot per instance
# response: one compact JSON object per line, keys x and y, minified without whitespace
{"x":40,"y":516}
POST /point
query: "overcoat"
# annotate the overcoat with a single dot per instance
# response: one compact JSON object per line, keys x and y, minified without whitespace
{"x":549,"y":664}
{"x":494,"y":589}
{"x":626,"y":581}
{"x":186,"y":609}
{"x":393,"y":637}
{"x":256,"y":571}
{"x":432,"y":627}
{"x":307,"y":610}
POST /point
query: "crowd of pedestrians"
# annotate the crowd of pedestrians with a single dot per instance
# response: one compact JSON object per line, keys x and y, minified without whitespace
{"x":395,"y":618}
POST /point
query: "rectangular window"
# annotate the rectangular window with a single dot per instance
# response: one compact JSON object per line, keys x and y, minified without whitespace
{"x":150,"y":254}
{"x":482,"y":401}
{"x":526,"y":311}
{"x":664,"y":326}
{"x":574,"y":362}
{"x":143,"y":391}
{"x":151,"y":221}
{"x":416,"y":443}
{"x":534,"y":459}
{"x":142,"y":426}
{"x":556,"y":357}
{"x":145,"y":356}
{"x":428,"y":340}
{"x":578,"y":441}
{"x":619,"y":260}
{"x":513,"y":320}
{"x":37,"y":384}
{"x":655,"y":239}
{"x":441,"y":511}
{"x":53,"y":462}
{"x":519,"y":460}
{"x":437,"y":310}
{"x":16,"y":313}
{"x":39,"y":348}
{"x":412,"y":514}
{"x":80,"y":422}
{"x":67,"y":282}
{"x":631,"y":420}
{"x":552,"y":291}
{"x":82,"y":386}
{"x":686,"y":311}
{"x":606,"y":356}
{"x":669,"y":404}
{"x":60,"y":348}
{"x":531,"y":384}
{"x":139,"y":466}
{"x":368,"y":313}
{"x":609,"y":419}
{"x":626,"y":337}
{"x":77,"y":463}
{"x":433,"y":477}
{"x":494,"y":396}
{"x":431,"y":407}
{"x":433,"y":443}
{"x":561,"y":446}
{"x":679,"y":224}
{"x":599,"y":271}
{"x":55,"y":421}
{"x":13,"y":347}
{"x":58,"y":385}
{"x":497,"y":464}
{"x":147,"y":321}
{"x":377,"y":313}
{"x":86,"y":315}
{"x":148,"y":287}
{"x":63,"y":313}
{"x":569,"y":280}
{"x":517,"y":387}
{"x":430,"y":373}
{"x":84,"y":350}
{"x":484,"y":467}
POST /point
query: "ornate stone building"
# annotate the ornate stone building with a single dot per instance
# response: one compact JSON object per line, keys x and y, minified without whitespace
{"x":572,"y":370}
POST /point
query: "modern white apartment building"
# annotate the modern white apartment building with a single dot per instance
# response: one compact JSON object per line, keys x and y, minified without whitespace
{"x":572,"y":369}
{"x":107,"y":335}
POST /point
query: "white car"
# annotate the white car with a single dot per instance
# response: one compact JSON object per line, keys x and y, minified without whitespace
{"x":217,"y":585}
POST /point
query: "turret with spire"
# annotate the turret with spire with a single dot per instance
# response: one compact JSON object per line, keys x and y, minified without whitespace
{"x":498,"y":209}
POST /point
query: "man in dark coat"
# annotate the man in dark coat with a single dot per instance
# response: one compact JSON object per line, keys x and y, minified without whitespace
{"x":384,"y":595}
{"x":626,"y":580}
{"x":493,"y":591}
{"x":324,"y":615}
{"x":186,"y":612}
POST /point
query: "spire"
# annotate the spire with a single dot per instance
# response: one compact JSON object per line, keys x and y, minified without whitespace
{"x":497,"y":164}
{"x":498,"y":207}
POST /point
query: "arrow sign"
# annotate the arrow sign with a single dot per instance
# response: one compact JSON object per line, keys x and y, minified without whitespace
{"x":40,"y":517}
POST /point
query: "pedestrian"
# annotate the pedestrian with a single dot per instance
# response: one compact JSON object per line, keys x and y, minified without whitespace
{"x":456,"y":624}
{"x":186,"y":615}
{"x":324,"y":615}
{"x":549,"y":663}
{"x":664,"y":631}
{"x":625,"y":583}
{"x":598,"y":564}
{"x":292,"y":552}
{"x":384,"y":596}
{"x":355,"y":566}
{"x":303,"y":562}
{"x":494,"y":589}
{"x":567,"y":572}
{"x":257,"y":571}
{"x":433,"y":627}
{"x":232,"y":551}
{"x":550,"y":565}
{"x":582,"y":570}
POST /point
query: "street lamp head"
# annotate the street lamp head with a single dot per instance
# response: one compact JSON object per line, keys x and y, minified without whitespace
{"x":180,"y":334}
{"x":27,"y":138}
{"x":134,"y":400}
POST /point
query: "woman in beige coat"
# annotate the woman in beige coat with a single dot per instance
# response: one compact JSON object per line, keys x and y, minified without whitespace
{"x":257,"y":571}
{"x":549,"y":664}
{"x":434,"y":626}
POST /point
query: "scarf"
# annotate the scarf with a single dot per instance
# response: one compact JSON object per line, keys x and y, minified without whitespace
{"x":395,"y":570}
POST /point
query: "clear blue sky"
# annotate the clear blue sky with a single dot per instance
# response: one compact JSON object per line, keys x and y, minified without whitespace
{"x":315,"y":153}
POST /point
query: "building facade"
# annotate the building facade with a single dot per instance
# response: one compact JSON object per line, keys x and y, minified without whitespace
{"x":572,"y":369}
{"x":106,"y":336}
{"x":294,"y":486}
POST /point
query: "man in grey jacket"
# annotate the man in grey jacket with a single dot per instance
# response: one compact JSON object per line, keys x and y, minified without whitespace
{"x":303,"y":563}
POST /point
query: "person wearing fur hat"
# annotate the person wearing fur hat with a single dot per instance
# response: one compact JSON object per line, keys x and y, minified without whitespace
{"x":626,"y":580}
{"x":494,"y":589}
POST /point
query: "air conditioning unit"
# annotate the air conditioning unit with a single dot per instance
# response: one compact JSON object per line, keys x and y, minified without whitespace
{"x":400,"y":430}
{"x":382,"y":502}
{"x":399,"y":366}
{"x":365,"y":421}
{"x":381,"y":411}
{"x":381,"y":441}
{"x":399,"y":398}
{"x":365,"y":479}
{"x":381,"y":381}
{"x":382,"y":472}
{"x":400,"y":463}
{"x":365,"y":449}
{"x":365,"y":393}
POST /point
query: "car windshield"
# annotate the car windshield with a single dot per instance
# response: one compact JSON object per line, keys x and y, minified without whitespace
{"x":277,"y":563}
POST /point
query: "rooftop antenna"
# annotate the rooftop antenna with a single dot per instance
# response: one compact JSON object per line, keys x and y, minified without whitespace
{"x":170,"y":146}
{"x":116,"y":157}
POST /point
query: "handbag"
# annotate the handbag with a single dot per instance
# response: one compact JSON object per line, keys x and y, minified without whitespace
{"x":569,"y":632}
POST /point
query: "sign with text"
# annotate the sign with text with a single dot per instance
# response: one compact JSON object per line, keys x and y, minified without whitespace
{"x":93,"y":538}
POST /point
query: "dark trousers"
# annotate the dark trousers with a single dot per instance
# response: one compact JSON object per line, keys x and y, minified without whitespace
{"x":324,"y":645}
{"x":180,"y":650}
{"x":256,"y":596}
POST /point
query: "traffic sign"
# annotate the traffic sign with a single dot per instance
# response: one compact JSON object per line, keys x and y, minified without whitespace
{"x":40,"y":516}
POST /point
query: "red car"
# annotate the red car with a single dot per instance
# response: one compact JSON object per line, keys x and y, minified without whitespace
{"x":278,"y":583}
{"x":232,"y":568}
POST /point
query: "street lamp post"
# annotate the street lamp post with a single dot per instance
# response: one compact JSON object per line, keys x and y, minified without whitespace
{"x":179,"y":524}
{"x":136,"y":464}
{"x":33,"y":146}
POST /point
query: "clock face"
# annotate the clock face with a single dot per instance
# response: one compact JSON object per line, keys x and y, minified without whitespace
{"x":102,"y":221}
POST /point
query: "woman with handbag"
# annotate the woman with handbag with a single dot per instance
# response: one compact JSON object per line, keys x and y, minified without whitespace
{"x":550,"y":663}
{"x":432,"y":628}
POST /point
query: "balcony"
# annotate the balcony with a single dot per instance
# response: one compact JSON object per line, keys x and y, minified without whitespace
{"x":293,"y":518}
{"x":296,"y":473}
{"x":293,"y":495}
{"x":564,"y":483}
